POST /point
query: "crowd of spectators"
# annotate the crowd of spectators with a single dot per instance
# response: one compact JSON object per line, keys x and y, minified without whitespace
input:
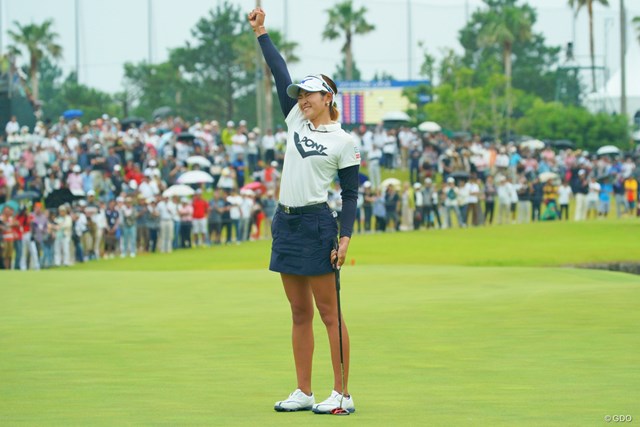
{"x":73,"y":192}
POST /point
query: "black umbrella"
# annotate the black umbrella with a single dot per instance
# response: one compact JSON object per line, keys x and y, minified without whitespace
{"x":563,"y":144}
{"x":162,"y":112}
{"x":186,"y":136}
{"x":461,"y":135}
{"x":59,"y":197}
{"x":132,"y":122}
{"x":459,"y":175}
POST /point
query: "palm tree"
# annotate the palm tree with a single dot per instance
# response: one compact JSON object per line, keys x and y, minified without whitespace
{"x":39,"y":41}
{"x":636,"y":22}
{"x":508,"y":25}
{"x":344,"y":20}
{"x":578,"y":4}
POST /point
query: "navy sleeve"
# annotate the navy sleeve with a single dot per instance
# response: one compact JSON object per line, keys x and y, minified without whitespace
{"x":349,"y":184}
{"x":278,"y":67}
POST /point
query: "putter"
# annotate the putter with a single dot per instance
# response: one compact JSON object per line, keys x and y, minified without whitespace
{"x":339,"y":410}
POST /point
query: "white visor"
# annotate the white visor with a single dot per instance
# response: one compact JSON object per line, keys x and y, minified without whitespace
{"x":310,"y":84}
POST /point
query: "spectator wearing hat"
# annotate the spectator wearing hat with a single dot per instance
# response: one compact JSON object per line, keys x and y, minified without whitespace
{"x":64,"y":232}
{"x":631,"y":193}
{"x":503,"y":192}
{"x":581,"y":189}
{"x":12,"y":127}
{"x":39,"y":223}
{"x":451,"y":202}
{"x":489,"y":191}
{"x":214,"y":216}
{"x":239,"y":166}
{"x":418,"y":199}
{"x":7,"y":226}
{"x":74,"y":179}
{"x":592,"y":198}
{"x":368,"y":197}
{"x":227,"y":135}
{"x":129,"y":231}
{"x":373,"y":161}
{"x":252,"y":150}
{"x":185,"y":212}
{"x":9,"y":172}
{"x":430,"y":204}
{"x":167,"y":211}
{"x":200,"y":215}
{"x":153,"y":223}
{"x":270,"y":176}
{"x":142,"y":223}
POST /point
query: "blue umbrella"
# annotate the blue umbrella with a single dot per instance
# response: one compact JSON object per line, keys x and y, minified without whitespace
{"x":72,"y":114}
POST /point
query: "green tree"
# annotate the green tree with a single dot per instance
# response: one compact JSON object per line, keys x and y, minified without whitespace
{"x":505,"y":25}
{"x":533,"y":63}
{"x":40,"y":41}
{"x":219,"y":67}
{"x":341,"y":71}
{"x":553,"y":120}
{"x":347,"y":22}
{"x":577,"y":5}
{"x":150,"y":86}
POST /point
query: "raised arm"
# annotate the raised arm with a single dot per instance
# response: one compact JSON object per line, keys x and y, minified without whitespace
{"x":274,"y":60}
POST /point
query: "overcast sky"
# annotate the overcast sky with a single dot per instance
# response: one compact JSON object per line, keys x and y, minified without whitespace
{"x":113,"y":32}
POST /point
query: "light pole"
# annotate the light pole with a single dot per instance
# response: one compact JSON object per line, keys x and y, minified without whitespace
{"x":623,"y":59}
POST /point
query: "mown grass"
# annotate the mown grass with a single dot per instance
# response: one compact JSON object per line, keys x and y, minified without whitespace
{"x":449,"y":327}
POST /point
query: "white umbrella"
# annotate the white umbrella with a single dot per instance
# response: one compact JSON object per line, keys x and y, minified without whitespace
{"x":194,"y":177}
{"x":391,"y":181}
{"x":429,"y":127}
{"x":532,"y":144}
{"x":179,"y":190}
{"x":201,"y":161}
{"x":547,"y":176}
{"x":396,"y":116}
{"x":608,"y":149}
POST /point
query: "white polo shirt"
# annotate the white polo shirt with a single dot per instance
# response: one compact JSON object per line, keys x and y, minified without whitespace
{"x":312,"y":159}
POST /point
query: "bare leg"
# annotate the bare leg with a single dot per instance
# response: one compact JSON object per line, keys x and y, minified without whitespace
{"x":324,"y":292}
{"x":301,"y":301}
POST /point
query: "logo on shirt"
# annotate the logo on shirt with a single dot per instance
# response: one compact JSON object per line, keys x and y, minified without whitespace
{"x":307,"y":147}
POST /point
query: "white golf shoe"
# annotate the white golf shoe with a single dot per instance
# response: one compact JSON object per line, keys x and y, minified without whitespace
{"x":297,"y":401}
{"x":333,"y":402}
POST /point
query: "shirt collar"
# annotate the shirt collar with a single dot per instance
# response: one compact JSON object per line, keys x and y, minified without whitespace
{"x":330,"y":127}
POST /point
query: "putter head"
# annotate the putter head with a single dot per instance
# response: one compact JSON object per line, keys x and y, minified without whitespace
{"x":339,"y":411}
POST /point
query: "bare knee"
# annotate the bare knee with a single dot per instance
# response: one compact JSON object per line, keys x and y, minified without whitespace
{"x":301,"y":314}
{"x":328,"y":314}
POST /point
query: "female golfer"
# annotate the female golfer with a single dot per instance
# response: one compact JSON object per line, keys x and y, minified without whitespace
{"x":304,"y":228}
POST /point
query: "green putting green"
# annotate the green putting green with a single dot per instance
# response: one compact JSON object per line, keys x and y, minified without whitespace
{"x":448,"y":327}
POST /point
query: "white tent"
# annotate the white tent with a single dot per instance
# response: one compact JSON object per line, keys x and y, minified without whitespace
{"x":608,"y":99}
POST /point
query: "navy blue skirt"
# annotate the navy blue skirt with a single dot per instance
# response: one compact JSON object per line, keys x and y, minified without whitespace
{"x":302,"y":243}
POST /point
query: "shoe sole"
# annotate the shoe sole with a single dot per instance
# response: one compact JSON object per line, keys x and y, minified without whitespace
{"x":281,"y":409}
{"x":315,"y":411}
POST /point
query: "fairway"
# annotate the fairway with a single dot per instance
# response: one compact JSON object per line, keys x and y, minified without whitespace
{"x":451,"y":327}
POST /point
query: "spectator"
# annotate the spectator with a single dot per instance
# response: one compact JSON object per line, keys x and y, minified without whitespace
{"x":185,"y":212}
{"x":200,"y":214}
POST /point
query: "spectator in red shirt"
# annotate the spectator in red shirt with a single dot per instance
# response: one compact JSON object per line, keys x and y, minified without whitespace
{"x":200,"y":214}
